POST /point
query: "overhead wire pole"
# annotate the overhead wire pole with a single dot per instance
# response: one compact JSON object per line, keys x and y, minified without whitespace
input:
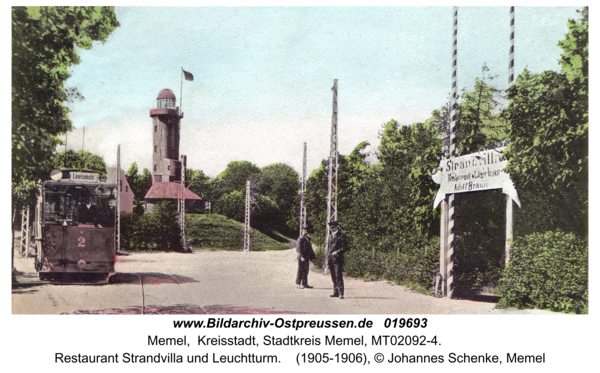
{"x":118,"y":207}
{"x":511,"y":78}
{"x":183,"y":158}
{"x":24,"y":247}
{"x":302,"y":192}
{"x":246,"y":228}
{"x":332,"y":177}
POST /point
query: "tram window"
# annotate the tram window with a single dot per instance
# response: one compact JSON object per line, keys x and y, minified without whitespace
{"x":80,"y":206}
{"x":96,"y":210}
{"x":59,"y":207}
{"x":51,"y":207}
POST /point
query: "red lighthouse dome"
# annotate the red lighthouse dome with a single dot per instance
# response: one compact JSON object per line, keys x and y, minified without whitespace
{"x":166,"y":93}
{"x":166,"y":99}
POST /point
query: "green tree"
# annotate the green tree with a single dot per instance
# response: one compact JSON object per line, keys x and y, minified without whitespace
{"x":165,"y":220}
{"x":43,"y":48}
{"x":279,"y":182}
{"x":82,"y":160}
{"x":198,"y":182}
{"x":548,"y":156}
{"x":264,"y":215}
{"x":316,"y":197}
{"x":386,"y":209}
{"x":231,"y":205}
{"x":236,"y":175}
{"x":140,"y":185}
{"x":227,"y":190}
{"x":548,"y":114}
{"x":316,"y":203}
{"x":440,"y":119}
{"x":575,"y":58}
{"x":404,"y":191}
{"x":477,"y":125}
{"x":549,"y":153}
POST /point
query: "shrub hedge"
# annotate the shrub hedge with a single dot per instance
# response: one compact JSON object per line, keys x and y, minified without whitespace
{"x":548,"y":270}
{"x":155,"y":231}
{"x":410,"y":265}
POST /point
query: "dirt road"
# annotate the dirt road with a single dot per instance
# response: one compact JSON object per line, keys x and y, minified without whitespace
{"x":224,"y":282}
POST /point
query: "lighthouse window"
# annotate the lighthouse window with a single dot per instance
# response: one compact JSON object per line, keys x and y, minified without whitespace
{"x":155,"y":128}
{"x":155,"y":148}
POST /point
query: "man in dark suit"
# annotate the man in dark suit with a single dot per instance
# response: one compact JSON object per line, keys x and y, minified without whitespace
{"x":305,"y":255}
{"x":335,"y":259}
{"x":88,"y":211}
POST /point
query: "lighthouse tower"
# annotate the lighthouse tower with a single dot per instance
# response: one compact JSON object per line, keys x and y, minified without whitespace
{"x":166,"y":166}
{"x":166,"y":125}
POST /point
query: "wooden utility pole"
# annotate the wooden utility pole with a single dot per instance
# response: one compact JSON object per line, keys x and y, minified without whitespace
{"x":332,"y":177}
{"x":302,"y":192}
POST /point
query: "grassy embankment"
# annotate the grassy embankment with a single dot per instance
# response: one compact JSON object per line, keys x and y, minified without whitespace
{"x":216,"y":232}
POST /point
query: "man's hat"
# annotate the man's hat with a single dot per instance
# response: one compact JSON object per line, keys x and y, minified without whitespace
{"x":334,"y":223}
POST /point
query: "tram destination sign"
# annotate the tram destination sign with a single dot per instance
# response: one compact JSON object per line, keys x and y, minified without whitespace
{"x":474,"y":172}
{"x":84,"y":177}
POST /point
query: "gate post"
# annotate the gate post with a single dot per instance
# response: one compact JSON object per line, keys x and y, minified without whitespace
{"x":509,"y":228}
{"x":451,"y":242}
{"x":443,"y":247}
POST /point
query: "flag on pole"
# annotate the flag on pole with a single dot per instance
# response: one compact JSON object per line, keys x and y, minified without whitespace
{"x":188,"y":76}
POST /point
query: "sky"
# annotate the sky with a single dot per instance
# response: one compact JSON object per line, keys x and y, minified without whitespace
{"x":263,"y":75}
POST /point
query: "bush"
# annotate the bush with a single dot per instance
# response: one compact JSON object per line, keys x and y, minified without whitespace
{"x":548,"y":271}
{"x":318,"y":262}
{"x":412,"y":267}
{"x":408,"y":265}
{"x":231,"y":205}
{"x":158,"y":230}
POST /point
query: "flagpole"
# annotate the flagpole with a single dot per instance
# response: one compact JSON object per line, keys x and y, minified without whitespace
{"x":181,"y":92}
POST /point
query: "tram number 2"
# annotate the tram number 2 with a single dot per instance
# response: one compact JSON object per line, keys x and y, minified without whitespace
{"x":81,"y":241}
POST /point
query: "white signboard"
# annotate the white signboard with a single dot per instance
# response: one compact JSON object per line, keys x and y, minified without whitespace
{"x":84,"y":177}
{"x":474,"y":172}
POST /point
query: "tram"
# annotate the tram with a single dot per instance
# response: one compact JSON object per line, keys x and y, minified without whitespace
{"x":75,"y":226}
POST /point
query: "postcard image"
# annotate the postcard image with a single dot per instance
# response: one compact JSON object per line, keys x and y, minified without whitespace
{"x":289,"y":162}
